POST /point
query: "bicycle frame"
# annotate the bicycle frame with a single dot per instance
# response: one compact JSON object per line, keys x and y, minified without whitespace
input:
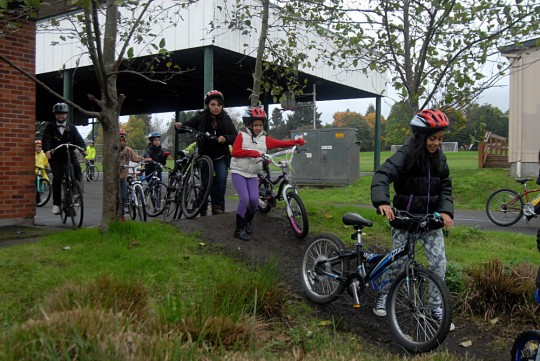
{"x":283,"y":179}
{"x":370,"y":266}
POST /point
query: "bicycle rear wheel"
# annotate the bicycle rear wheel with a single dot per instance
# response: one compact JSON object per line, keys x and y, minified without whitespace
{"x":154,"y":198}
{"x":503,"y":208}
{"x":418,"y":309}
{"x":43,"y":192}
{"x":526,"y":346}
{"x":137,"y":207}
{"x":319,"y":287}
{"x":297,"y":215}
{"x":170,"y":203}
{"x":196,"y":186}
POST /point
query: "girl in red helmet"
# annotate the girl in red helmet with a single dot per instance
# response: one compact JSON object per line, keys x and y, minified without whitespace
{"x":248,"y":147}
{"x":422,"y":185}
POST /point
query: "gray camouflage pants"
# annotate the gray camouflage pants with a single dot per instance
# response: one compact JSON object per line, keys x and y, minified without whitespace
{"x":433,"y":242}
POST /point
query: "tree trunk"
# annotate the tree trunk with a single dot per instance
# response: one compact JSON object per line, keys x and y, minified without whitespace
{"x":257,"y":74}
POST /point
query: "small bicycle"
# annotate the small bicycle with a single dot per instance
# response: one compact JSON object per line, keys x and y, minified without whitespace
{"x":43,"y":188}
{"x":506,"y":207}
{"x":72,"y":205}
{"x":91,"y":171}
{"x":296,"y":211}
{"x":418,"y":304}
{"x":173,"y":201}
{"x":154,"y":192}
{"x":135,"y":194}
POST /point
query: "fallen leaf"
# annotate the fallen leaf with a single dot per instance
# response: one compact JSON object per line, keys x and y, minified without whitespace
{"x":325,"y":323}
{"x":467,"y":343}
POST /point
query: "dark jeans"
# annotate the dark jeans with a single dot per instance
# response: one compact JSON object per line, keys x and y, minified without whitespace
{"x":221,"y":171}
{"x":58,"y":170}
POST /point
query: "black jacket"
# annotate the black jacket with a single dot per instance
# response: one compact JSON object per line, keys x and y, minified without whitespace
{"x":52,"y":138}
{"x":225,"y":127}
{"x":421,"y":190}
{"x":157,"y":155}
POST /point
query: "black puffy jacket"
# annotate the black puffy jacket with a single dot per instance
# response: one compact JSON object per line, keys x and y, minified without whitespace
{"x":421,"y":190}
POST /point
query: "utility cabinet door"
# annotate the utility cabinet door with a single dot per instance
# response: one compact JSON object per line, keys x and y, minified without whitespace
{"x":333,"y":155}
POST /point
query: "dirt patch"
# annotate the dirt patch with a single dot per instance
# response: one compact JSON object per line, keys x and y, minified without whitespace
{"x":272,"y":239}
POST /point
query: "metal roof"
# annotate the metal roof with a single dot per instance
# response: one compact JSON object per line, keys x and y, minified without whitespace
{"x":233,"y":66}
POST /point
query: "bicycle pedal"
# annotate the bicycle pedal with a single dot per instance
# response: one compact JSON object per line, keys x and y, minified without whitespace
{"x":356,"y":306}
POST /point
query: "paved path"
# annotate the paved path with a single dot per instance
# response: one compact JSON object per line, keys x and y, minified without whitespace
{"x":93,"y":202}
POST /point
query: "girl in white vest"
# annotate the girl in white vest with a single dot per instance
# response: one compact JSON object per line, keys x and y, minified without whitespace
{"x":250,"y":144}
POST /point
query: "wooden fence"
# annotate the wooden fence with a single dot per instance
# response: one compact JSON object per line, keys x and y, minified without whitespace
{"x":493,"y":152}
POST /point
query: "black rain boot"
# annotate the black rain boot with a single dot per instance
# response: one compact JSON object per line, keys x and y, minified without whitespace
{"x":240,"y":232}
{"x":249,"y":217}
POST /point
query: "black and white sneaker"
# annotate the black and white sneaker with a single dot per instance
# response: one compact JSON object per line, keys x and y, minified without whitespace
{"x":380,"y":305}
{"x":437,"y":315}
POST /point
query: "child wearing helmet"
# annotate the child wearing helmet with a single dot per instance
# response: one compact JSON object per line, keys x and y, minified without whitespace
{"x":422,"y":185}
{"x":126,"y":155}
{"x":56,"y":133}
{"x":250,"y":144}
{"x":154,"y":153}
{"x":214,"y":120}
{"x":41,"y":160}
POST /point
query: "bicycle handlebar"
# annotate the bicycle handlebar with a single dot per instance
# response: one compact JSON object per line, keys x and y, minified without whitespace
{"x":67,"y":145}
{"x":282,"y":162}
{"x":198,"y":133}
{"x":407,"y":220}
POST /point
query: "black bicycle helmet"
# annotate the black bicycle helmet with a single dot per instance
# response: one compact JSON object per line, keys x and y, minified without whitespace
{"x":60,"y":108}
{"x":213,"y":94}
{"x":153,"y":135}
{"x":253,"y":113}
{"x":429,"y":120}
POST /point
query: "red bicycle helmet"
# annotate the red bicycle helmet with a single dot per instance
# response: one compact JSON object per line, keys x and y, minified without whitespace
{"x":429,"y":120}
{"x":122,"y":133}
{"x":37,"y":142}
{"x":213,"y":94}
{"x":253,"y":113}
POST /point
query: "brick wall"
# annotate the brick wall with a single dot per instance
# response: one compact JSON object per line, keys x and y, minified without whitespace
{"x":17,"y":127}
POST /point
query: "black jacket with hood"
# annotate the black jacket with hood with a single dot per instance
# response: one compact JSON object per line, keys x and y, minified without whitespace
{"x":420,"y":190}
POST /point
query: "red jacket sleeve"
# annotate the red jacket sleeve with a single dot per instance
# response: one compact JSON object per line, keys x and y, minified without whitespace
{"x":272,"y":143}
{"x":239,"y":152}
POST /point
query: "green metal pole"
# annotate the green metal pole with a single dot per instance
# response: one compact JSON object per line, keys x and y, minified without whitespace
{"x":208,"y":69}
{"x":176,"y":136}
{"x":378,"y":131}
{"x":68,"y":91}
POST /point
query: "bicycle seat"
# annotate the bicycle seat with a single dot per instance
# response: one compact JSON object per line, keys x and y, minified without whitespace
{"x":523,"y":180}
{"x":354,"y":219}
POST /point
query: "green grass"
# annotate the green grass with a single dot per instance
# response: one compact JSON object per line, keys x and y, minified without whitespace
{"x":86,"y":295}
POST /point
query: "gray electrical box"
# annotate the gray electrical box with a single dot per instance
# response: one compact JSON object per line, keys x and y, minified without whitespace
{"x":331,"y":157}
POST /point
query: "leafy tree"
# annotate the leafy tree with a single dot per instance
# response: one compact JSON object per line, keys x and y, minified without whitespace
{"x":397,"y":127}
{"x":108,"y":39}
{"x":364,"y":133}
{"x":370,"y":109}
{"x":434,"y":51}
{"x":302,"y":117}
{"x":136,"y":132}
{"x":276,"y":121}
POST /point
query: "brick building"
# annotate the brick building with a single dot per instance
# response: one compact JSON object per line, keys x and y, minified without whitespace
{"x":17,"y":125}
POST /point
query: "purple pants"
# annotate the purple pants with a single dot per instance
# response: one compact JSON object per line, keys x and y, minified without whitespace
{"x":248,"y":192}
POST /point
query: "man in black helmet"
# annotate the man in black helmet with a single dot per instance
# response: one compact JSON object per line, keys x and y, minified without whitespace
{"x":56,"y":133}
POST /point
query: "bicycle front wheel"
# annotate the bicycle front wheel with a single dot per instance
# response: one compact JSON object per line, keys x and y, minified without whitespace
{"x":75,"y":209}
{"x":318,"y":277}
{"x":43,"y":193}
{"x":92,"y":173}
{"x":154,"y":198}
{"x":196,"y":186}
{"x":418,"y":309}
{"x":297,"y":215}
{"x":137,"y":207}
{"x":526,"y":346}
{"x":504,"y":208}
